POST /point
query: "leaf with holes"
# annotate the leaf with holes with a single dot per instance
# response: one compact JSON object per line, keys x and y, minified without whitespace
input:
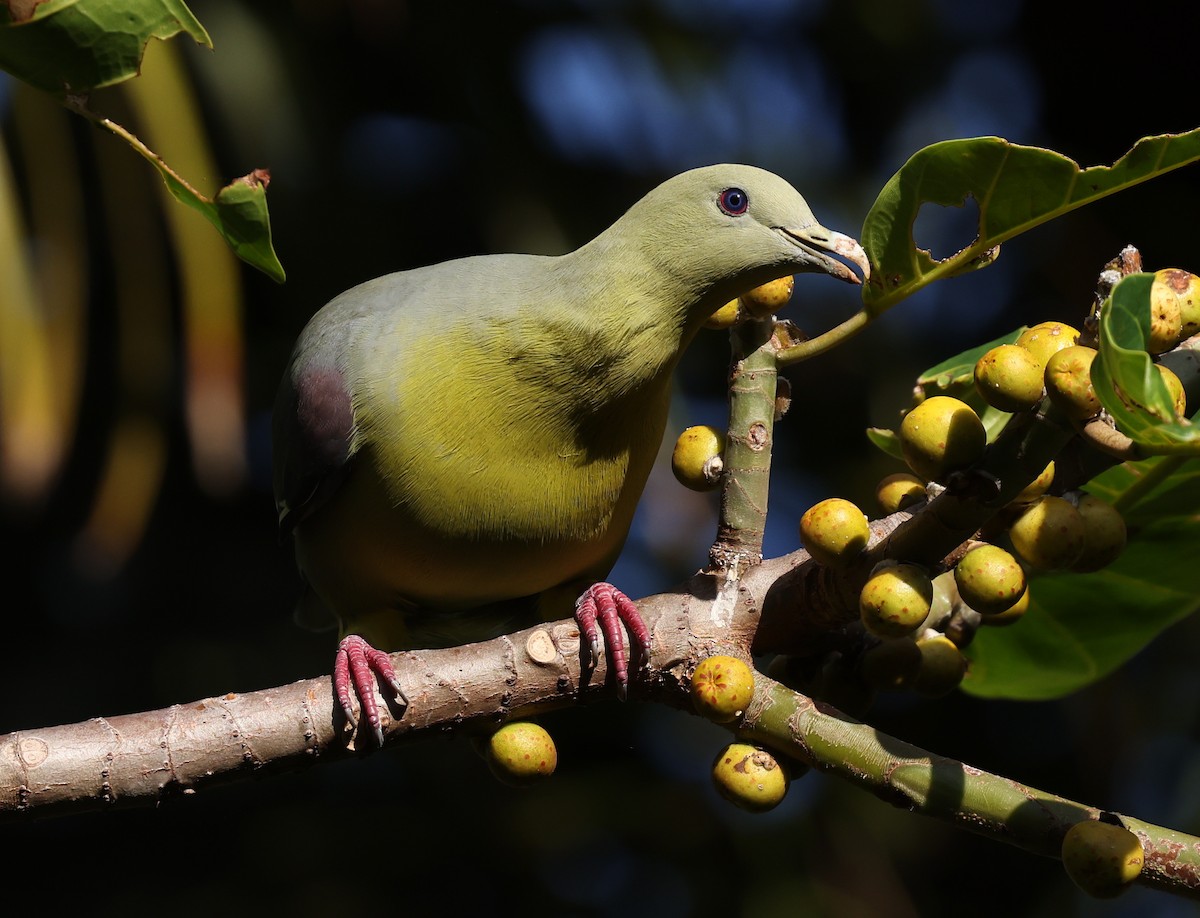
{"x":74,"y":46}
{"x":1016,"y":187}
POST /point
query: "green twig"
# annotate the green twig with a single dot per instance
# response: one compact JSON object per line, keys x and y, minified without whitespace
{"x":914,"y":779}
{"x":805,"y":350}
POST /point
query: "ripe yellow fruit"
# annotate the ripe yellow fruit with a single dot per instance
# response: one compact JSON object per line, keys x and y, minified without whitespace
{"x":1049,"y":534}
{"x":1009,"y":378}
{"x":1069,"y":381}
{"x":1102,"y":859}
{"x":696,"y":459}
{"x":725,"y":317}
{"x":835,"y":532}
{"x":942,"y":666}
{"x":895,"y":601}
{"x":521,"y":753}
{"x":1103,"y":534}
{"x":1046,"y":338}
{"x":1166,"y":314}
{"x":899,"y":490}
{"x":940,"y":435}
{"x":989,"y":579}
{"x":749,"y":777}
{"x":1175,"y":387}
{"x":1037,"y":487}
{"x":1009,"y":616}
{"x":770,"y":297}
{"x":1185,"y":286}
{"x":721,"y":688}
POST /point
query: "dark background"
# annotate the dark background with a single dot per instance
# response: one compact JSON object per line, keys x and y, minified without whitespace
{"x":400,"y":134}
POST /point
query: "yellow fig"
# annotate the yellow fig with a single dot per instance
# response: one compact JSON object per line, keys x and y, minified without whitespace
{"x":834,"y":532}
{"x":696,"y":459}
{"x":940,"y":435}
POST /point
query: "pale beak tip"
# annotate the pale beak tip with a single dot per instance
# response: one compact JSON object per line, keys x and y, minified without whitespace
{"x":849,"y":248}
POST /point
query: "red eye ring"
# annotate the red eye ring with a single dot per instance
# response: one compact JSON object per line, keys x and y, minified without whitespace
{"x":733,"y":201}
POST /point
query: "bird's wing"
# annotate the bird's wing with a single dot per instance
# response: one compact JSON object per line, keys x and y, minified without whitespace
{"x":312,"y":433}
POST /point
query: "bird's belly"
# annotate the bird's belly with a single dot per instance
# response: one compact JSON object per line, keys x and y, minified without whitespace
{"x":448,"y":549}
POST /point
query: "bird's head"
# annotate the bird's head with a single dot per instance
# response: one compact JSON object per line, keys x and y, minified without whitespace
{"x":724,"y":229}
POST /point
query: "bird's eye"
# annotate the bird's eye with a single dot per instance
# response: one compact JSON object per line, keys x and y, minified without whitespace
{"x":734,"y":201}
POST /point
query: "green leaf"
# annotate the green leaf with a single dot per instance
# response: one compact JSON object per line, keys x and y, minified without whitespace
{"x":887,"y":441}
{"x":1126,"y":381}
{"x":1017,"y":188}
{"x":239,"y":210}
{"x":1080,"y":627}
{"x":74,"y":46}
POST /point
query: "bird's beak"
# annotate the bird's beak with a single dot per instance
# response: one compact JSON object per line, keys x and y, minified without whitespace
{"x":814,"y":242}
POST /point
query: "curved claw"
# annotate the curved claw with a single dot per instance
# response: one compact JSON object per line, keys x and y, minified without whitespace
{"x":355,"y":662}
{"x":603,"y":609}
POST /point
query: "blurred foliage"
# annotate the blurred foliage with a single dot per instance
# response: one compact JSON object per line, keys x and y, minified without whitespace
{"x":401,"y":134}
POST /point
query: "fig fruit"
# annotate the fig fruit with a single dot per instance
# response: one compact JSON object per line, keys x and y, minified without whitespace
{"x":696,"y":459}
{"x":521,"y":752}
{"x":834,"y":532}
{"x":940,"y":435}
{"x":1049,"y":534}
{"x":896,"y":599}
{"x":989,"y":579}
{"x":900,"y":490}
{"x":1009,"y":378}
{"x":721,"y":688}
{"x":749,"y":777}
{"x":767,"y":299}
{"x":1102,"y":859}
{"x":1069,"y":381}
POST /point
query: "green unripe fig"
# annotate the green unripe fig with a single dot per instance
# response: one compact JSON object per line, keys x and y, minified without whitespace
{"x":520,"y":753}
{"x":1175,"y":387}
{"x":834,"y":532}
{"x":942,"y":666}
{"x":891,"y":665}
{"x":1102,"y":859}
{"x":1009,"y":616}
{"x":895,"y":600}
{"x":749,"y":777}
{"x":1037,"y":487}
{"x":989,"y":579}
{"x":696,"y":459}
{"x":1103,"y":533}
{"x":767,"y":299}
{"x":725,"y":317}
{"x":721,"y":688}
{"x":940,"y":435}
{"x":1185,"y":286}
{"x":900,"y":490}
{"x":1166,"y":316}
{"x":1046,"y":338}
{"x":1049,"y":534}
{"x":1069,"y":381}
{"x":1009,"y":378}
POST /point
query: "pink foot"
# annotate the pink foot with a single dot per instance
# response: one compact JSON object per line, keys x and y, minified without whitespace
{"x":355,"y":662}
{"x":604,"y":605}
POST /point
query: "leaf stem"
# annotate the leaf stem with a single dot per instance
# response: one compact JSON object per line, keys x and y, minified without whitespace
{"x":805,"y":350}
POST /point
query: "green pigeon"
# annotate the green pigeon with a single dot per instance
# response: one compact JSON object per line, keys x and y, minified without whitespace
{"x":459,"y":448}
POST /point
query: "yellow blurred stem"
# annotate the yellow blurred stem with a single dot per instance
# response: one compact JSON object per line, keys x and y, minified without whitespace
{"x":132,"y":474}
{"x":31,"y":432}
{"x":211,"y":298}
{"x":54,"y":190}
{"x":136,"y":458}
